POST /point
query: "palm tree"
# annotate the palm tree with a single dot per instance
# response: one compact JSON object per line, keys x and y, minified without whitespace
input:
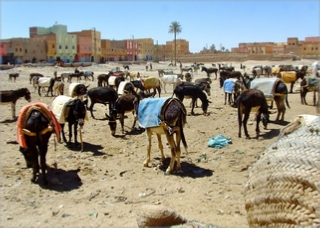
{"x":175,"y":28}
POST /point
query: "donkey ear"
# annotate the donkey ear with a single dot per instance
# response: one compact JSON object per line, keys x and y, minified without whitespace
{"x":209,"y":101}
{"x":87,"y":86}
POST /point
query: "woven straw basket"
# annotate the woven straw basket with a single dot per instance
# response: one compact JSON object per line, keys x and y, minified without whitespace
{"x":283,"y":189}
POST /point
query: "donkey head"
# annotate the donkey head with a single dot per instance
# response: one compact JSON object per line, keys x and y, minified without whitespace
{"x":112,"y":121}
{"x":78,"y":110}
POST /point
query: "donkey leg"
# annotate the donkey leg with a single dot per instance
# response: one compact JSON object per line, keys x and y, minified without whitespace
{"x":75,"y":128}
{"x":160,"y":146}
{"x":178,"y":151}
{"x":149,"y":135}
{"x":173,"y":152}
{"x":13,"y":110}
{"x":245,"y":120}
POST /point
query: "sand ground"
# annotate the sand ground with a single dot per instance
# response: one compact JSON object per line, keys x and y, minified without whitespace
{"x":104,"y":185}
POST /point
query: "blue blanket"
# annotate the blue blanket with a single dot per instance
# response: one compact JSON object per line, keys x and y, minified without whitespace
{"x":228,"y":85}
{"x":149,"y":111}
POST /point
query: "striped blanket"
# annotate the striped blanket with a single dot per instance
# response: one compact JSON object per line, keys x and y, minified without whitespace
{"x":149,"y":111}
{"x":23,"y":115}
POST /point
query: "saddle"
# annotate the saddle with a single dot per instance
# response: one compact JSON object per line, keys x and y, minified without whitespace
{"x":151,"y":112}
{"x":24,"y":115}
{"x":150,"y":82}
{"x":266,"y":85}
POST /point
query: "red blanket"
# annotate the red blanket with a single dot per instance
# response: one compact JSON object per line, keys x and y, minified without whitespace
{"x":22,"y":118}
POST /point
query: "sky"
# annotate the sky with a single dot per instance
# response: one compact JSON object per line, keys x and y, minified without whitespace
{"x":203,"y":23}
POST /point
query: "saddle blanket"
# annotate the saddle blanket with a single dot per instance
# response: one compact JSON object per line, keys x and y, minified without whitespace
{"x":275,"y":70}
{"x":150,"y":82}
{"x":312,"y":81}
{"x":228,"y":85}
{"x":44,"y":81}
{"x":149,"y":111}
{"x":122,"y":86}
{"x":288,"y":76}
{"x":266,"y":85}
{"x":59,"y":107}
{"x":111,"y":80}
{"x":72,"y":88}
{"x":22,"y":120}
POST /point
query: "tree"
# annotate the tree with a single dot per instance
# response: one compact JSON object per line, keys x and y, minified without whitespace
{"x":175,"y":28}
{"x":156,"y":50}
{"x":213,"y":48}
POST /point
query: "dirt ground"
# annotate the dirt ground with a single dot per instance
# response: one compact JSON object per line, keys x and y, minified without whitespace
{"x":106,"y":184}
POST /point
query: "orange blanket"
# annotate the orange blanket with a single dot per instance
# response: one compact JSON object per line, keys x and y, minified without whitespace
{"x":22,"y":119}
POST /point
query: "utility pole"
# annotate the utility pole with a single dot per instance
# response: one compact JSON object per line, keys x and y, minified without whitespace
{"x":95,"y":44}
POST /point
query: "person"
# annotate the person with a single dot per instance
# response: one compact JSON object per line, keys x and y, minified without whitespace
{"x":150,"y":66}
{"x":314,"y":68}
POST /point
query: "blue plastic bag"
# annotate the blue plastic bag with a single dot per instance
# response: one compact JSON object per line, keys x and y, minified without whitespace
{"x":219,"y":141}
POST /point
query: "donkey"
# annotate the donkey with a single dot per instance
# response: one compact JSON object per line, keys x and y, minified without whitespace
{"x":171,"y":118}
{"x":45,"y":82}
{"x":123,"y":104}
{"x":35,"y":125}
{"x":101,"y":95}
{"x":13,"y":76}
{"x":309,"y":84}
{"x":248,"y":100}
{"x":209,"y":71}
{"x":194,"y":92}
{"x":103,"y":79}
{"x":75,"y":115}
{"x":34,"y":74}
{"x":11,"y":96}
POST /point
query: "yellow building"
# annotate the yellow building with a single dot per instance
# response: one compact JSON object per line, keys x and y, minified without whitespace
{"x":311,"y":46}
{"x":182,"y":48}
{"x":145,"y":49}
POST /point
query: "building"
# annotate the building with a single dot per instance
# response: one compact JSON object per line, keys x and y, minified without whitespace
{"x":65,"y":46}
{"x":293,"y":46}
{"x":311,"y":46}
{"x":278,"y":48}
{"x":23,"y":50}
{"x":113,"y":50}
{"x":93,"y":47}
{"x":182,"y":48}
{"x":145,"y":49}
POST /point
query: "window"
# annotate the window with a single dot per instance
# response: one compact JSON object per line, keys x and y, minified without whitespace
{"x":52,"y":45}
{"x":20,"y":49}
{"x":16,"y":49}
{"x":72,"y":47}
{"x":60,"y":47}
{"x":66,"y":46}
{"x":25,"y":51}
